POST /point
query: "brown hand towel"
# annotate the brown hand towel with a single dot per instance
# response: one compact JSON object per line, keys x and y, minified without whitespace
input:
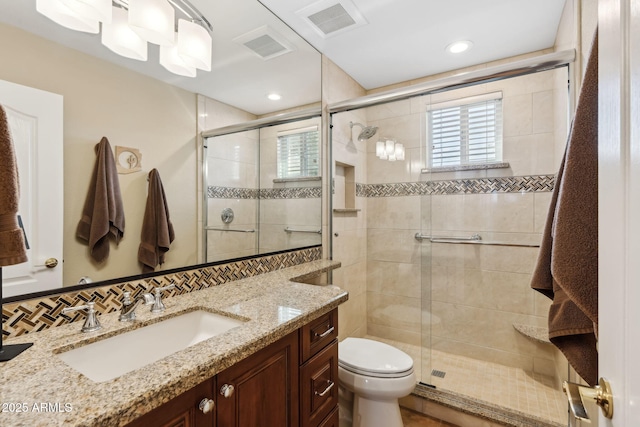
{"x":157,"y":230}
{"x":567,"y":266}
{"x":103,"y":213}
{"x":12,"y":247}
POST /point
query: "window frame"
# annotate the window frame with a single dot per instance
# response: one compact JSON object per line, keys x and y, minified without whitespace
{"x":304,"y":162}
{"x":464,"y":141}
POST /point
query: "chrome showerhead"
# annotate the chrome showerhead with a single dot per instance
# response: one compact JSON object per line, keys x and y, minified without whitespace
{"x":367,"y":131}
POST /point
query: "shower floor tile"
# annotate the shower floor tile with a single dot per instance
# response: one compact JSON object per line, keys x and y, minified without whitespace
{"x":512,"y":388}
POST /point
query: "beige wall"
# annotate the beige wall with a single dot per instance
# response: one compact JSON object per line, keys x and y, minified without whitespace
{"x":101,"y":99}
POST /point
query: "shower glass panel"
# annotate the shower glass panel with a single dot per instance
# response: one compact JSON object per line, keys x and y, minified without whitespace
{"x":232,"y":183}
{"x":263,"y":190}
{"x":502,"y":143}
{"x":445,"y":241}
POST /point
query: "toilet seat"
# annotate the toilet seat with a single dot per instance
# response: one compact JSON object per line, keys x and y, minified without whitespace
{"x":373,"y":358}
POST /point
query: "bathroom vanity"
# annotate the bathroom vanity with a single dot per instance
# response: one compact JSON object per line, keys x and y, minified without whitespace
{"x":277,"y":367}
{"x":292,"y":382}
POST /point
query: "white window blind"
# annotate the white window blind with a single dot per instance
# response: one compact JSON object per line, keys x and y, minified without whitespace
{"x":465,"y":131}
{"x":298,"y":153}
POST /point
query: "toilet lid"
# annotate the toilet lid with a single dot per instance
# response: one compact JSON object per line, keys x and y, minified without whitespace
{"x":373,"y":358}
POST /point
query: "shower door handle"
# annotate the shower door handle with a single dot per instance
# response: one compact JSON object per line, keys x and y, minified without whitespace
{"x":601,"y":394}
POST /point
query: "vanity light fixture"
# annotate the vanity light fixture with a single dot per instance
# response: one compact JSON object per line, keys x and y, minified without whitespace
{"x":459,"y":46}
{"x":121,"y":39}
{"x":389,"y":149}
{"x":171,"y":60}
{"x":95,"y":10}
{"x":128,"y":25}
{"x":60,"y":13}
{"x":154,"y":20}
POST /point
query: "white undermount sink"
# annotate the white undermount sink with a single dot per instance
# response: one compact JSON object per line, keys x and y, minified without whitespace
{"x":115,"y":356}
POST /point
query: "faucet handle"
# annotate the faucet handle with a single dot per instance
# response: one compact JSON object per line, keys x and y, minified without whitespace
{"x":91,"y":323}
{"x":158,"y":305}
{"x":158,"y":289}
{"x":126,"y":298}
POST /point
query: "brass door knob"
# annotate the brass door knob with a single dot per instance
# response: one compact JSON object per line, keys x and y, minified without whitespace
{"x":601,"y":394}
{"x":49,"y":263}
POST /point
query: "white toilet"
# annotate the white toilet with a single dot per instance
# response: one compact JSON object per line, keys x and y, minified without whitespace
{"x":373,"y":376}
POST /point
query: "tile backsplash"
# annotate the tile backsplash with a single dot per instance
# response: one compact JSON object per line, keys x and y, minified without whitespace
{"x":34,"y":315}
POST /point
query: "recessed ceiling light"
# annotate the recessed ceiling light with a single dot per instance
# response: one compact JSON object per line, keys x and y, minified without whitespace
{"x":274,"y":97}
{"x":459,"y":46}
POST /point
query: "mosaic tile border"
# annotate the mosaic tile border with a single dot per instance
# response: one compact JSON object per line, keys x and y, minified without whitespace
{"x":514,"y":184}
{"x":38,"y":314}
{"x":214,"y":192}
{"x":291,"y":193}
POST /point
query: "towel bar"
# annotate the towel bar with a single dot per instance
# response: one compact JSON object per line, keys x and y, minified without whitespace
{"x":291,"y":230}
{"x":472,"y":240}
{"x":229,"y":229}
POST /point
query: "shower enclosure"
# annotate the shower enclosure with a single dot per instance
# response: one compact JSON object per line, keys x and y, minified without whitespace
{"x":262,"y":187}
{"x":446,"y":238}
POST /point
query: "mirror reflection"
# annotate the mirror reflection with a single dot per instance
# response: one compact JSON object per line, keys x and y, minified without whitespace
{"x":263,"y":190}
{"x":142,"y":108}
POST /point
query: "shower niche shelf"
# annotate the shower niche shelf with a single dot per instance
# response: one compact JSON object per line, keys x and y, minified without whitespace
{"x":344,"y":189}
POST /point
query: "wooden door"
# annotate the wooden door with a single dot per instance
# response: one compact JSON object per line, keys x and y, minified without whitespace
{"x":262,"y":390}
{"x":183,"y":410}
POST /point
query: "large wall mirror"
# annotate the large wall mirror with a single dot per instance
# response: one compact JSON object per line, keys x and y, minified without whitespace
{"x":139,"y":105}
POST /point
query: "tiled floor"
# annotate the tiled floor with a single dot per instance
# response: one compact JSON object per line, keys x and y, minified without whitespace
{"x":414,"y":419}
{"x":513,"y":388}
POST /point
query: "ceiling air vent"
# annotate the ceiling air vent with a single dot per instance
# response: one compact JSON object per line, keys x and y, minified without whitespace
{"x":265,"y":42}
{"x":331,"y":17}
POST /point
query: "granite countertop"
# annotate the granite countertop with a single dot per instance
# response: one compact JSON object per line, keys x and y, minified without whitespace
{"x":50,"y":393}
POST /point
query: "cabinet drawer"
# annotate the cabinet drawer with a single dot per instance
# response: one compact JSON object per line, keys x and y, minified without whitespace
{"x":319,"y":386}
{"x":317,"y":334}
{"x":333,"y":420}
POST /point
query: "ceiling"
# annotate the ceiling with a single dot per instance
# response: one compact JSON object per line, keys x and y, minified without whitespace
{"x":406,"y":39}
{"x":398,"y":40}
{"x":238,"y":77}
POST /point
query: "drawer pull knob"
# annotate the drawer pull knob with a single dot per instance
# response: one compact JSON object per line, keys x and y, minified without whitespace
{"x":325,"y":333}
{"x":206,"y":405}
{"x":326,"y":390}
{"x":227,"y":390}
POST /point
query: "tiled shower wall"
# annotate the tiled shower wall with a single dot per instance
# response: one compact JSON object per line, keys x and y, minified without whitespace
{"x":296,"y":204}
{"x":472,"y":295}
{"x":243,"y":167}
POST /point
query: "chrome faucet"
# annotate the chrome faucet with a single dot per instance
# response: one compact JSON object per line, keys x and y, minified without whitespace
{"x":128,"y":311}
{"x":158,"y":305}
{"x":91,"y":323}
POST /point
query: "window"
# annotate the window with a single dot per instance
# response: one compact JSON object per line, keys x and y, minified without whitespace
{"x":466,"y":131}
{"x":298,"y":153}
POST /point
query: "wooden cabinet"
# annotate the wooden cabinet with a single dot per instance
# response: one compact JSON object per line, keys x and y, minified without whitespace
{"x":319,"y":386}
{"x":319,"y":371}
{"x":183,"y":410}
{"x":265,"y":388}
{"x":290,"y":383}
